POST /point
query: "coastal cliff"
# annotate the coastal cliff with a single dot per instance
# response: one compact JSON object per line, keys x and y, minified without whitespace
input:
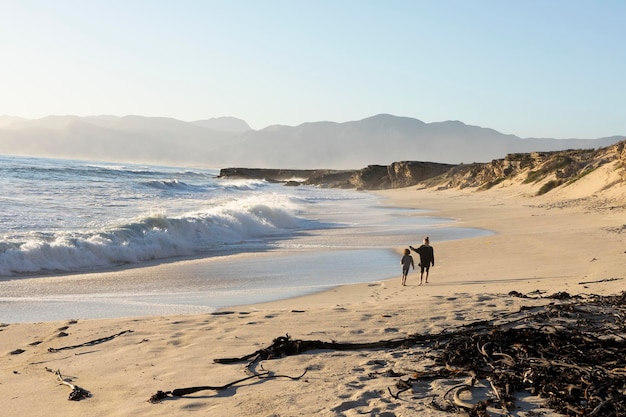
{"x":372,"y":177}
{"x":549,"y":169}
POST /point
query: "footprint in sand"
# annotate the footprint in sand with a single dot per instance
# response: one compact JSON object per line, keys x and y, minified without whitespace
{"x":362,"y":400}
{"x":316,"y":367}
{"x":378,"y":363}
{"x":456,"y":316}
{"x":194,"y":406}
{"x":355,"y":385}
{"x":222,"y":313}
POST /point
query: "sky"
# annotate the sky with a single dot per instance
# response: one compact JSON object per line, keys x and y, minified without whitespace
{"x":532,"y":68}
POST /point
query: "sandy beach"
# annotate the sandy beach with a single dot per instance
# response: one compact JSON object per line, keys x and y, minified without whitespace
{"x":572,"y":239}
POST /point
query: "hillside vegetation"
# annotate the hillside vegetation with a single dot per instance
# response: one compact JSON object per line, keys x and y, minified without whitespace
{"x":543,"y":172}
{"x":537,"y":173}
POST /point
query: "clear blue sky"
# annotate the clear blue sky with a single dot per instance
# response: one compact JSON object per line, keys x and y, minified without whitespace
{"x":533,"y":68}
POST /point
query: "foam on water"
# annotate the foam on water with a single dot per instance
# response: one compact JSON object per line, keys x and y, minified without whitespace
{"x":259,"y":241}
{"x":243,"y":221}
{"x":73,"y":216}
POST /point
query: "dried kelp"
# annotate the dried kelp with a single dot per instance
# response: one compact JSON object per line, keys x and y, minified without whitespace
{"x":90,"y":343}
{"x":286,"y":346}
{"x":179,"y":392}
{"x":572,"y":352}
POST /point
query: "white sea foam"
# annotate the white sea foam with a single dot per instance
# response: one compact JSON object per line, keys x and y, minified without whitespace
{"x":241,"y":221}
{"x":172,"y":185}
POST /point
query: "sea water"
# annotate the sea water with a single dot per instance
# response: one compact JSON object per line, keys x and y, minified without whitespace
{"x":81,"y":239}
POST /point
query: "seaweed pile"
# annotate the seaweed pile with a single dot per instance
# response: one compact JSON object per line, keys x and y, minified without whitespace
{"x":572,"y":354}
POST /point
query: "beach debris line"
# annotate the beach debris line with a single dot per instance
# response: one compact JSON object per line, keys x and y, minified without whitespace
{"x":77,"y":393}
{"x":600,"y":280}
{"x":570,"y":352}
{"x":286,"y":346}
{"x":90,"y":343}
{"x":179,"y":392}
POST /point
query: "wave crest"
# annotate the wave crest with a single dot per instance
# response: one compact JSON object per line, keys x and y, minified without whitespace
{"x":170,"y":185}
{"x":153,"y":237}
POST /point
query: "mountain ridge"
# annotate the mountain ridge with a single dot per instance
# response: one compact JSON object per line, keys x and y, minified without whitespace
{"x":228,"y":141}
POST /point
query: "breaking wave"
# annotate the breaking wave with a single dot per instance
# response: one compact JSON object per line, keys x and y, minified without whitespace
{"x":229,"y":226}
{"x":172,"y":185}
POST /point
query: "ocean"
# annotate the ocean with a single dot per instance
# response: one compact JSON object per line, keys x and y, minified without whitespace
{"x":82,"y":239}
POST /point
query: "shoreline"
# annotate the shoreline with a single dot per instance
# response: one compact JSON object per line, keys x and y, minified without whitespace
{"x":542,"y":244}
{"x":535,"y":260}
{"x":312,"y":262}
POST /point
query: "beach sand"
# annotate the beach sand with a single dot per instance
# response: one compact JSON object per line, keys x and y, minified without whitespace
{"x":572,"y":239}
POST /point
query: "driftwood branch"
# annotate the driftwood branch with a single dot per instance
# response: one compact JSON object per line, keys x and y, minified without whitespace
{"x":90,"y":343}
{"x":77,"y":393}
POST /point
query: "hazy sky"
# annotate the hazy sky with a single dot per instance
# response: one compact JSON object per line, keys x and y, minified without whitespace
{"x":534,"y":68}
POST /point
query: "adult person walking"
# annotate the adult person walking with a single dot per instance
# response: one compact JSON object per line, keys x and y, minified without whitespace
{"x":427,"y":258}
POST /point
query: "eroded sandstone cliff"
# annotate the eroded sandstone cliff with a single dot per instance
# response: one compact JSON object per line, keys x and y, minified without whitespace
{"x":553,"y":168}
{"x":373,"y":177}
{"x":558,"y":168}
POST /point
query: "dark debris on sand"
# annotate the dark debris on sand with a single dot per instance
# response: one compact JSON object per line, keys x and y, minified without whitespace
{"x":572,"y":354}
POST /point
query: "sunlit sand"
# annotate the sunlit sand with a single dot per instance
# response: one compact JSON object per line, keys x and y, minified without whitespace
{"x":570,"y":240}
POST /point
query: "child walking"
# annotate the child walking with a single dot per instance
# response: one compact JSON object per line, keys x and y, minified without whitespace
{"x":407,"y":262}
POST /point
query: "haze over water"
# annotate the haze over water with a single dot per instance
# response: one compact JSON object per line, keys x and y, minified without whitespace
{"x":92,"y":240}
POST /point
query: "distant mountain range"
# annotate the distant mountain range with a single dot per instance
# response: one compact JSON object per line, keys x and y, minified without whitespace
{"x":230,"y":142}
